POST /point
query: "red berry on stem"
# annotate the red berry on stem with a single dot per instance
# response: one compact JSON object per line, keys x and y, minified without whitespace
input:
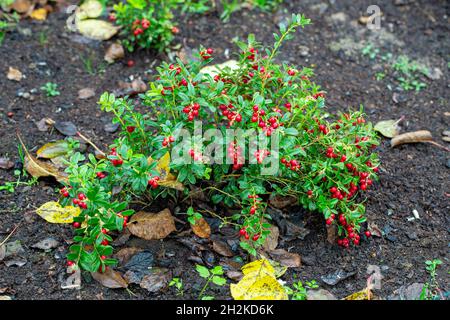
{"x":76,"y":225}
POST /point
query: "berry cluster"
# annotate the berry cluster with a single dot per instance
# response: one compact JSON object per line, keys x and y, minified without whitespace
{"x":192,"y":111}
{"x":235,"y":154}
{"x":167,"y":140}
{"x":206,"y":54}
{"x":260,"y":155}
{"x":117,"y":161}
{"x":231,"y":115}
{"x":293,"y":164}
{"x":139,"y":26}
{"x":153,"y":182}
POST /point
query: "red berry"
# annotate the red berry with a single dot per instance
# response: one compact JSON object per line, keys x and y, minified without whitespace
{"x":70,"y":263}
{"x":131,"y":129}
{"x":103,"y":257}
{"x":76,"y":225}
{"x":343,"y":158}
{"x":246,"y":236}
{"x":256,"y":237}
{"x":81,"y":196}
{"x":104,"y":231}
{"x":329,"y":221}
{"x":242,"y":232}
{"x":209,"y":51}
{"x":171,"y":139}
{"x":368,"y":234}
{"x":252,"y":210}
{"x":333,"y":190}
{"x":105,"y":242}
{"x":75,"y":201}
{"x":83,"y":205}
{"x":130,"y":63}
{"x":309,"y":192}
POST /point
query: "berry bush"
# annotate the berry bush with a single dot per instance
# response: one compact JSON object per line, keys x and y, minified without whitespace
{"x":325,"y":162}
{"x":145,"y":23}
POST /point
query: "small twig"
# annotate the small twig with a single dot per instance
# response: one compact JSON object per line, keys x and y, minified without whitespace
{"x":91,"y":143}
{"x":9,"y":236}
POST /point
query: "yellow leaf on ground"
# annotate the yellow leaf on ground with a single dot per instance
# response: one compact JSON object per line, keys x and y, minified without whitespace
{"x":167,"y":179}
{"x":53,"y":212}
{"x":364,"y":294}
{"x":96,"y":29}
{"x":38,"y":168}
{"x":39,"y":14}
{"x":259,"y":283}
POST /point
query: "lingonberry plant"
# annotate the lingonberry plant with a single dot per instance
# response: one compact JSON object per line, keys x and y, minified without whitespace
{"x":324,"y":162}
{"x":145,"y":23}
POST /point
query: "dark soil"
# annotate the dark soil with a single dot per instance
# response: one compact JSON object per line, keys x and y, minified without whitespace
{"x":413,"y":177}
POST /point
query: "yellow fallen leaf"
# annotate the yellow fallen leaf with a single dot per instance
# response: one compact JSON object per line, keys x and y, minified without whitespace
{"x":364,"y":294}
{"x":39,"y":14}
{"x":167,"y":179}
{"x":89,"y":9}
{"x":258,"y":283}
{"x":96,"y":29}
{"x":53,"y":212}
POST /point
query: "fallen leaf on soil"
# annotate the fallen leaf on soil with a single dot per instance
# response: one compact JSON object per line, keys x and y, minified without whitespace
{"x":215,"y":69}
{"x":96,"y":29}
{"x":46,"y":244}
{"x":152,"y":226}
{"x":53,"y":212}
{"x":67,"y":128}
{"x":140,"y":262}
{"x":363,"y":20}
{"x":374,"y":229}
{"x":364,"y":294}
{"x":44,"y":124}
{"x":337,"y":276}
{"x":234,"y":275}
{"x":388,"y":128}
{"x":412,"y":137}
{"x":258,"y":283}
{"x":6,"y":164}
{"x":281,"y":202}
{"x":332,"y":234}
{"x":156,"y":280}
{"x":53,"y":149}
{"x":287,"y":259}
{"x":86,"y":93}
{"x":72,"y":282}
{"x":271,"y":241}
{"x":110,"y":279}
{"x":201,"y":228}
{"x":14,"y":74}
{"x":114,"y":52}
{"x":89,"y":9}
{"x":320,"y":294}
{"x":124,"y":255}
{"x":60,"y":162}
{"x":39,"y":14}
{"x":21,"y":6}
{"x":38,"y":168}
{"x":222,"y":248}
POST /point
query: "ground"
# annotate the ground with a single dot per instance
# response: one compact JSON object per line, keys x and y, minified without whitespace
{"x":413,"y":177}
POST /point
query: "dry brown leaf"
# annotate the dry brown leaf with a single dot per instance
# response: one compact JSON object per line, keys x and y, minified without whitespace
{"x":5,"y":163}
{"x":21,"y":6}
{"x":110,"y":279}
{"x":201,"y":228}
{"x":412,"y":137}
{"x":287,"y":259}
{"x":126,"y":253}
{"x":14,"y":74}
{"x":271,"y":241}
{"x":86,"y":93}
{"x":114,"y":52}
{"x":281,"y":202}
{"x":222,"y":248}
{"x":332,"y":234}
{"x":38,"y":168}
{"x":152,"y":226}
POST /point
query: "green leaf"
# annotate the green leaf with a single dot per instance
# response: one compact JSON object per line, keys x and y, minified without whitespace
{"x":202,"y":271}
